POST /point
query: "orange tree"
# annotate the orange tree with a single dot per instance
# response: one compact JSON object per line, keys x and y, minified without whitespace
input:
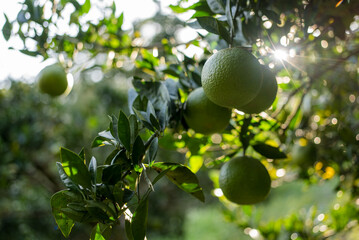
{"x":312,"y":48}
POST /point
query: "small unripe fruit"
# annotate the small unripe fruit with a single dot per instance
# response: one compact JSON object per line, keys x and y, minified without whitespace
{"x":52,"y":80}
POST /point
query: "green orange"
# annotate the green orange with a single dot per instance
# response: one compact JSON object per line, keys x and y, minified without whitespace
{"x":203,"y":116}
{"x":266,"y":95}
{"x":244,"y":180}
{"x":52,"y":80}
{"x":232,"y":77}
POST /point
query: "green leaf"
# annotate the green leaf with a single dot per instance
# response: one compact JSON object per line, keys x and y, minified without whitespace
{"x":128,"y":229}
{"x":155,"y":122}
{"x":178,"y":9}
{"x":143,"y":116}
{"x":152,"y":150}
{"x":138,"y":151}
{"x":100,"y":141}
{"x":216,"y":6}
{"x":101,"y":232}
{"x":124,"y":132}
{"x":75,"y":4}
{"x":30,"y":53}
{"x":112,"y":174}
{"x":212,"y":25}
{"x":163,"y":117}
{"x":86,"y":7}
{"x":118,"y":193}
{"x":77,"y":206}
{"x":139,"y":220}
{"x":6,"y":29}
{"x":78,"y":216}
{"x":65,"y":179}
{"x":127,"y":195}
{"x":269,"y":151}
{"x":229,"y":15}
{"x":60,"y":200}
{"x":150,"y":109}
{"x":21,"y":17}
{"x":93,"y":170}
{"x":120,"y":21}
{"x":82,"y":154}
{"x":133,"y":127}
{"x":182,"y":176}
{"x":154,"y":92}
{"x":100,"y":211}
{"x":119,"y":158}
{"x":140,"y":103}
{"x":75,"y":168}
{"x":107,"y":135}
{"x":114,"y":127}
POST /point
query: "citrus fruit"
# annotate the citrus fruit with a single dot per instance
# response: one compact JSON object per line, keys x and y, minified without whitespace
{"x":231,"y":77}
{"x":266,"y":95}
{"x":52,"y":80}
{"x":203,"y":116}
{"x":244,"y":180}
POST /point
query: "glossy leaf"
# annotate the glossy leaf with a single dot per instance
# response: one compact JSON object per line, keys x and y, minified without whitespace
{"x":139,"y":220}
{"x":124,"y":132}
{"x":78,"y":216}
{"x":66,"y":180}
{"x":138,"y":151}
{"x":6,"y":29}
{"x":60,"y":200}
{"x":212,"y":25}
{"x":216,"y":6}
{"x":155,"y":92}
{"x":93,"y":170}
{"x":152,"y":150}
{"x":182,"y":176}
{"x":145,"y":119}
{"x":127,"y":195}
{"x":82,"y":154}
{"x":101,"y":232}
{"x":100,"y":141}
{"x":29,"y":53}
{"x":155,"y":123}
{"x":114,"y":127}
{"x":133,"y":127}
{"x":112,"y":156}
{"x":118,"y":193}
{"x":75,"y":168}
{"x":112,"y":174}
{"x":269,"y":151}
{"x":132,"y":96}
{"x":100,"y":211}
{"x":128,"y":229}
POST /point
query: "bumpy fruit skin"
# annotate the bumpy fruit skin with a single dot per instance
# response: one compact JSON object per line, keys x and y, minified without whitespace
{"x":231,"y":77}
{"x":52,"y":80}
{"x":244,"y":180}
{"x":203,"y":116}
{"x":266,"y":95}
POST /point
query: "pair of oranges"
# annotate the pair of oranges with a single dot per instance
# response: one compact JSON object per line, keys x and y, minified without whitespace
{"x":233,"y":78}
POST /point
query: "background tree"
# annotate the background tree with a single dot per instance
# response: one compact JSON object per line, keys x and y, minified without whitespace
{"x":308,"y":140}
